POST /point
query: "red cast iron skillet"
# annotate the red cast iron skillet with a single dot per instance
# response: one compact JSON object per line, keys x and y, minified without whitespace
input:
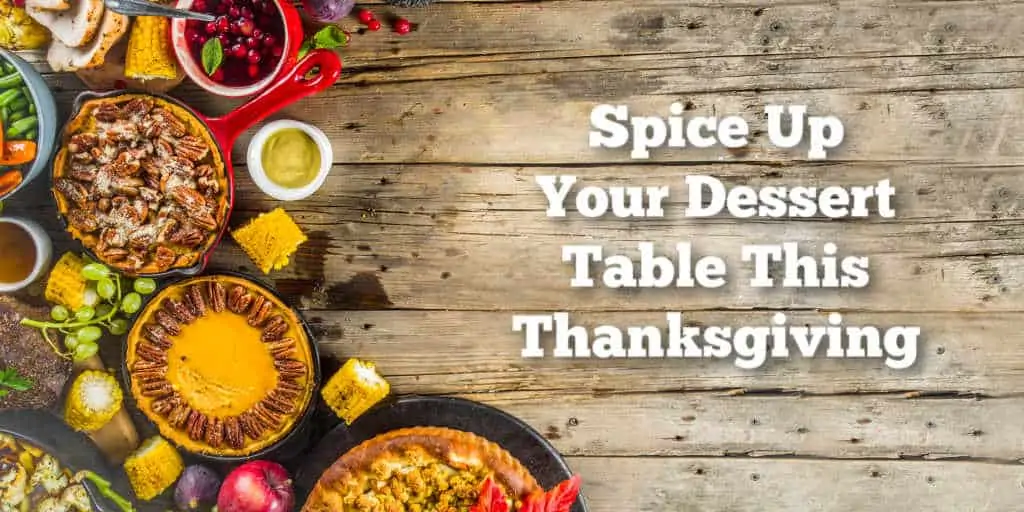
{"x":290,"y":87}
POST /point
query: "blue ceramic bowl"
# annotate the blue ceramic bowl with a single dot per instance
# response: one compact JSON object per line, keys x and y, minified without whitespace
{"x":46,"y":112}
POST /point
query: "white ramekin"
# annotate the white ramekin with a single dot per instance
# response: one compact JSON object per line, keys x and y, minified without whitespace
{"x":254,"y":160}
{"x":44,"y":251}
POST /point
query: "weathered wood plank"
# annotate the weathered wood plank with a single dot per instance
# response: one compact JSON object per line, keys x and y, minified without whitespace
{"x":453,"y":238}
{"x":438,"y":352}
{"x":411,"y":108}
{"x":755,"y":485}
{"x":712,"y":424}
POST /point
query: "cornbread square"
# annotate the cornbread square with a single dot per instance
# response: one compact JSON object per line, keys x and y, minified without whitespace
{"x":270,"y":239}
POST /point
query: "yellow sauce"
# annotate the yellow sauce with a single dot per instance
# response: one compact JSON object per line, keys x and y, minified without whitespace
{"x":291,"y":158}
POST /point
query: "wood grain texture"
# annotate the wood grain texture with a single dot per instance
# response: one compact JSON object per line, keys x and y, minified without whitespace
{"x":477,"y":352}
{"x":430,"y":234}
{"x":722,"y":484}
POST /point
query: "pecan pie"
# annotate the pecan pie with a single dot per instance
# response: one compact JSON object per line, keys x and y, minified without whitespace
{"x":141,"y":183}
{"x":210,"y":364}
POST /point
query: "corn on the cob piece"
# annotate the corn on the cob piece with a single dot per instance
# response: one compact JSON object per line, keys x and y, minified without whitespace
{"x":93,"y":400}
{"x":66,"y":286}
{"x":154,"y":467}
{"x":270,"y":239}
{"x":149,"y":50}
{"x":354,"y":389}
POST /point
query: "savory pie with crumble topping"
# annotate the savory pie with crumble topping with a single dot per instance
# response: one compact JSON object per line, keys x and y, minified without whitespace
{"x":420,"y":469}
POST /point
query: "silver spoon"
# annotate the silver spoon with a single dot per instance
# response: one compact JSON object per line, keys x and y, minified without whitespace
{"x":145,"y":8}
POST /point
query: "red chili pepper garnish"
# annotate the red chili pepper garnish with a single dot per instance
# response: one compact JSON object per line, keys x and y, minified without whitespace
{"x":559,"y":499}
{"x":492,"y":499}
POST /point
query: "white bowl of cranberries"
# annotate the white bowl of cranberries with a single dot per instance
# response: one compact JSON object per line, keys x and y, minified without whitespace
{"x":250,"y":44}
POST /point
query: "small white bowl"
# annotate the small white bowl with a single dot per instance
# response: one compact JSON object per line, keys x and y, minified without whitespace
{"x":254,"y":160}
{"x":44,"y":251}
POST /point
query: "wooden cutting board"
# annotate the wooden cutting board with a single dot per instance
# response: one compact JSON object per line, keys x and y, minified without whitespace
{"x":116,"y":439}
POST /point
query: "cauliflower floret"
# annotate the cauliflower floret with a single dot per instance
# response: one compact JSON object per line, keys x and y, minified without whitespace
{"x":18,"y":31}
{"x":52,"y":504}
{"x":76,"y":498}
{"x":13,"y":480}
{"x":48,"y":475}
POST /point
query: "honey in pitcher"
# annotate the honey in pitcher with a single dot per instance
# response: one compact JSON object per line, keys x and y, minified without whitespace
{"x":17,"y":253}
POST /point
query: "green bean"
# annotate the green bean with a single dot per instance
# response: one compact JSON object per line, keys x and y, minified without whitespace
{"x":32,"y":108}
{"x":27,"y":93}
{"x":15,"y":117}
{"x":7,"y":97}
{"x":7,"y":67}
{"x":32,"y":134}
{"x":22,"y":126}
{"x":19,"y":105}
{"x":11,"y":80}
{"x":4,"y":114}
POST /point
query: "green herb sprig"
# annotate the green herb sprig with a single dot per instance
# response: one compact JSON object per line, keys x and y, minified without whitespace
{"x":10,"y":380}
{"x":82,"y":327}
{"x":212,"y":55}
{"x":329,"y":37}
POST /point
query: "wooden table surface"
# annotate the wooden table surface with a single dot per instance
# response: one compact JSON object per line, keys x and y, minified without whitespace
{"x":430,"y":234}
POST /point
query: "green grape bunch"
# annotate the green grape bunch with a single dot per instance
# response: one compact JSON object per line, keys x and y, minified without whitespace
{"x":83,"y":327}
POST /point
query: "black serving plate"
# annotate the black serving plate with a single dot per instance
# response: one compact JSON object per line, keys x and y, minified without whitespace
{"x":511,"y":433}
{"x":73,"y":450}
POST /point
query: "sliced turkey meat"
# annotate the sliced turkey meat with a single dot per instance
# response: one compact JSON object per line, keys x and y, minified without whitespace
{"x":48,"y":5}
{"x":75,"y":26}
{"x":62,"y":57}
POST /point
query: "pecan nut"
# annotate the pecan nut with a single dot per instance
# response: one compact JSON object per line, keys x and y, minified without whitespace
{"x":290,"y":385}
{"x":267,"y":414}
{"x":288,"y":394}
{"x":196,"y":426}
{"x":143,"y":365}
{"x":164,"y":406}
{"x":250,"y":425}
{"x":282,"y":348}
{"x":233,"y":433}
{"x":149,"y":352}
{"x":150,"y":376}
{"x":290,"y":367}
{"x":276,"y":403}
{"x":215,"y":433}
{"x":169,"y":324}
{"x":179,"y":415}
{"x":260,"y":311}
{"x":179,"y":311}
{"x":239,"y":300}
{"x":217,"y":295}
{"x":195,"y":301}
{"x":274,"y":329}
{"x":192,"y":148}
{"x":156,"y":389}
{"x":158,"y":334}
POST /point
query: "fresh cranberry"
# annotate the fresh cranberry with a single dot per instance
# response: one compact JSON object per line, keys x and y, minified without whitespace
{"x":254,"y":57}
{"x":257,"y":33}
{"x":277,"y":51}
{"x":218,"y":76}
{"x":245,"y":27}
{"x":234,"y":12}
{"x":373,"y":25}
{"x":222,"y":24}
{"x":211,"y":28}
{"x":199,"y":5}
{"x":268,"y":40}
{"x":254,"y":70}
{"x":238,"y":50}
{"x":402,"y":26}
{"x":221,"y":9}
{"x":365,"y":16}
{"x":247,"y":13}
{"x":224,"y":41}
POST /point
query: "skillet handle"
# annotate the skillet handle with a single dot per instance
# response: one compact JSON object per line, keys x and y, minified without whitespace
{"x":292,"y":86}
